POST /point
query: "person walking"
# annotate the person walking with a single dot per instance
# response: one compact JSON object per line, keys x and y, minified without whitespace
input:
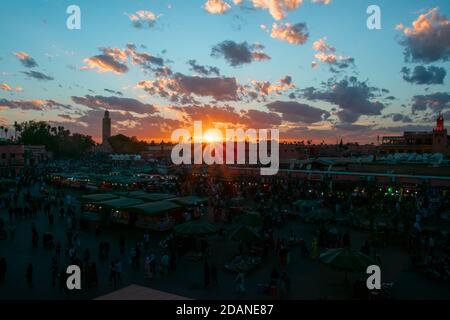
{"x":165,"y":260}
{"x":240,"y":282}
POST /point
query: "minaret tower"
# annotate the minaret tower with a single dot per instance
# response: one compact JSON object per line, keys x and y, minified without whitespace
{"x":106,"y":127}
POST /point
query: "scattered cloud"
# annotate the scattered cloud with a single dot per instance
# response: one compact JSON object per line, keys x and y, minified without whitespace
{"x":38,"y":75}
{"x":203,"y":70}
{"x":277,"y":8}
{"x":293,"y":111}
{"x":398,"y":117}
{"x":354,"y":98}
{"x":142,"y":19}
{"x":428,"y":40}
{"x":435,"y":102}
{"x":26,"y":60}
{"x":216,"y":6}
{"x":327,"y":54}
{"x":424,"y":75}
{"x":115,"y":103}
{"x":237,"y":54}
{"x":36,"y":104}
{"x":115,"y":60}
{"x":181,"y":88}
{"x":114,"y":92}
{"x":5,"y":86}
{"x":291,"y":33}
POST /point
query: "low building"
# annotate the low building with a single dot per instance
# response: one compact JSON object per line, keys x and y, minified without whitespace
{"x":14,"y":157}
{"x":435,"y":141}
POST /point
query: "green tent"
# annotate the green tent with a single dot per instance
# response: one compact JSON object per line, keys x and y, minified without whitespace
{"x":244,"y":234}
{"x":306,"y":203}
{"x":6,"y":181}
{"x":252,"y":219}
{"x":153,"y":209}
{"x":120,"y":203}
{"x":133,"y":194}
{"x":98,"y":197}
{"x":155,"y":196}
{"x":194,"y":228}
{"x":319,"y":215}
{"x":189,"y":201}
{"x":346,"y":259}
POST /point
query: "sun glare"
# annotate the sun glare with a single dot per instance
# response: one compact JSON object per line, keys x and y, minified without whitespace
{"x":211,"y":136}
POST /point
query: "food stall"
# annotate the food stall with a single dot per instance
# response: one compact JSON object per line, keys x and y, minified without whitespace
{"x":156,"y":216}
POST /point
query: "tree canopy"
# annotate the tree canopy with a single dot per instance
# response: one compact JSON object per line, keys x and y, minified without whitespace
{"x":58,"y":140}
{"x":123,"y":144}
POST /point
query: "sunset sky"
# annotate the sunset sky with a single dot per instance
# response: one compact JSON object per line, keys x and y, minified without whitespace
{"x":311,"y":68}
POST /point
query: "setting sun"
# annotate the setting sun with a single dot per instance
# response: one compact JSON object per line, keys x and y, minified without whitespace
{"x":212,"y":136}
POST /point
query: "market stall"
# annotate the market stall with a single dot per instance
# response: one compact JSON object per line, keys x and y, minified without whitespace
{"x":157,"y":215}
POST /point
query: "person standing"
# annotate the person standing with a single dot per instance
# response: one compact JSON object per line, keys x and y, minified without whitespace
{"x":240,"y":282}
{"x":119,"y":271}
{"x":165,"y":263}
{"x":152,"y":265}
{"x":147,"y":271}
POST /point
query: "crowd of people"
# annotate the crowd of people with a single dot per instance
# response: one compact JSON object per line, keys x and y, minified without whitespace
{"x":406,"y":213}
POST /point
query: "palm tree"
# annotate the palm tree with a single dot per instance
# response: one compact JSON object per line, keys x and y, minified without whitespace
{"x":15,"y":130}
{"x":1,"y":131}
{"x":6,"y":133}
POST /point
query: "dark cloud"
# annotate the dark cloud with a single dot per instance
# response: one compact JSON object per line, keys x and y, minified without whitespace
{"x":428,"y":40}
{"x":115,"y":103}
{"x":398,"y":117}
{"x":237,"y":54}
{"x":355,"y":98}
{"x":142,"y":58}
{"x":260,"y":119}
{"x":435,"y":102}
{"x":113,"y":91}
{"x":180,"y":88}
{"x":298,"y":112}
{"x":26,"y":60}
{"x":218,"y":88}
{"x":38,"y":75}
{"x":424,"y":75}
{"x":36,"y":104}
{"x":203,"y":70}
